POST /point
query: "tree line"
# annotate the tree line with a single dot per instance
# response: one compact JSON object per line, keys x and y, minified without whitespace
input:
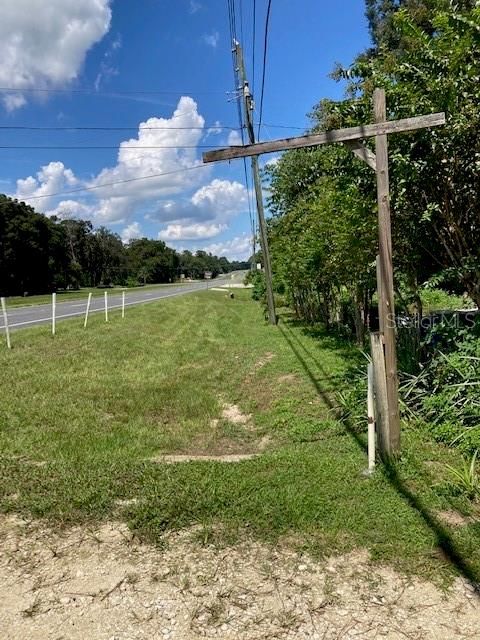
{"x":39,"y":254}
{"x":323,"y":232}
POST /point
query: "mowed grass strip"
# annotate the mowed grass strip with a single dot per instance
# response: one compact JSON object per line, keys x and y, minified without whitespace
{"x":87,"y":416}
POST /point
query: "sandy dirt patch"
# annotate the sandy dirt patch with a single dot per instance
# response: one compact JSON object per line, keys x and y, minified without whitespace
{"x":226,"y":457}
{"x":455,"y":519}
{"x":233,"y":414}
{"x":288,"y":378}
{"x":264,"y":360}
{"x":103,"y":584}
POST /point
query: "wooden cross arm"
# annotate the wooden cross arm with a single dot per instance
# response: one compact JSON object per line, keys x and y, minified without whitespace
{"x":327,"y":137}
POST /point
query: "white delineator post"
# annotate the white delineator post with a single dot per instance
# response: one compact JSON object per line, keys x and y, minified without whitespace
{"x":54,"y":310}
{"x":371,"y":420}
{"x":5,"y":322}
{"x":123,"y":304}
{"x":87,"y":310}
{"x":106,"y":306}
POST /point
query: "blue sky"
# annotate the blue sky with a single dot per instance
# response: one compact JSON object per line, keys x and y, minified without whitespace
{"x":167,"y":64}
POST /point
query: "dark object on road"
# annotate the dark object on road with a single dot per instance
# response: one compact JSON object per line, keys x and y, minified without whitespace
{"x":231,"y":295}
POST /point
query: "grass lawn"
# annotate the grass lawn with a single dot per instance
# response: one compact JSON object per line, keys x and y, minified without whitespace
{"x":86,"y":417}
{"x":79,"y":294}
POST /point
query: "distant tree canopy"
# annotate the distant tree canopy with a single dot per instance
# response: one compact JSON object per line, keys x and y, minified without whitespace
{"x":40,"y":254}
{"x":426,"y":55}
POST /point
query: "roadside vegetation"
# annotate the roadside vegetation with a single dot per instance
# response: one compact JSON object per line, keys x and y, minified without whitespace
{"x":88,"y":418}
{"x":323,"y":230}
{"x":324,"y":226}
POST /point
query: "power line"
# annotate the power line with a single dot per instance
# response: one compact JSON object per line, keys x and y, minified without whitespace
{"x":109,"y":93}
{"x":254,"y":28}
{"x":241,"y":18}
{"x":265,"y":46}
{"x":101,"y":147}
{"x":137,"y":128}
{"x":280,"y":126}
{"x":110,"y":184}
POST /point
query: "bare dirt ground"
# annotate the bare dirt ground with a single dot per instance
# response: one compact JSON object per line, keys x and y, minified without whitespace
{"x":102,"y":584}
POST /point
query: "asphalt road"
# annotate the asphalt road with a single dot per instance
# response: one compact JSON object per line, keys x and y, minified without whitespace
{"x":22,"y":317}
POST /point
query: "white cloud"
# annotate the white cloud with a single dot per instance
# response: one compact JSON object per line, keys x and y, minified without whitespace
{"x":117,"y":43}
{"x":216,"y":129}
{"x":13,"y":101}
{"x":222,"y":198}
{"x":271,"y":162}
{"x":43,"y":44}
{"x":169,"y":195}
{"x":107,"y":68}
{"x":131,"y":232}
{"x":238,"y":248}
{"x":211,"y":39}
{"x":195,"y":6}
{"x":206,"y":214}
{"x":174,"y":150}
{"x":191,"y":231}
{"x":234,"y":139}
{"x":71,"y":209}
{"x":51,"y":178}
{"x":164,"y":153}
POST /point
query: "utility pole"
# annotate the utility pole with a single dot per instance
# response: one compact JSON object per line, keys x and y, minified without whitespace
{"x":386,"y":305}
{"x":248,"y":109}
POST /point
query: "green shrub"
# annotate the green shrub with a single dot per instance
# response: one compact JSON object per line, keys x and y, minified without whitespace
{"x":438,"y":299}
{"x":257,"y":278}
{"x":445,"y":395}
{"x":466,"y":478}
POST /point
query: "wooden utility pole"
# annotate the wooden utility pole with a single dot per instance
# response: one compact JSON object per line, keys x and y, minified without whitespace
{"x":353,"y":137}
{"x":248,"y":111}
{"x":386,"y":305}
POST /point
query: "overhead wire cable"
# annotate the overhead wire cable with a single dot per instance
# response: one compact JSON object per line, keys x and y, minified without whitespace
{"x":241,"y":18}
{"x":115,"y":92}
{"x":99,"y":128}
{"x":104,"y":147}
{"x":254,"y":28}
{"x":265,"y":48}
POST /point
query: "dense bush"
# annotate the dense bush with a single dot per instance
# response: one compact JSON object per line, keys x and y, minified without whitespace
{"x":445,"y":394}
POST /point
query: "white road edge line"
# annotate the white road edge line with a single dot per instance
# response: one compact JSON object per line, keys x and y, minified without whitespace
{"x":114,"y":306}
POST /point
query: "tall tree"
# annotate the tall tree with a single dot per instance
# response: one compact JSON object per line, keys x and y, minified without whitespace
{"x":24,"y":248}
{"x":152,"y":261}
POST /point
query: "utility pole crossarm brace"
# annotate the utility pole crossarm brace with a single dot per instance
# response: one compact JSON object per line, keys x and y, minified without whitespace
{"x":327,"y":137}
{"x":364,"y":153}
